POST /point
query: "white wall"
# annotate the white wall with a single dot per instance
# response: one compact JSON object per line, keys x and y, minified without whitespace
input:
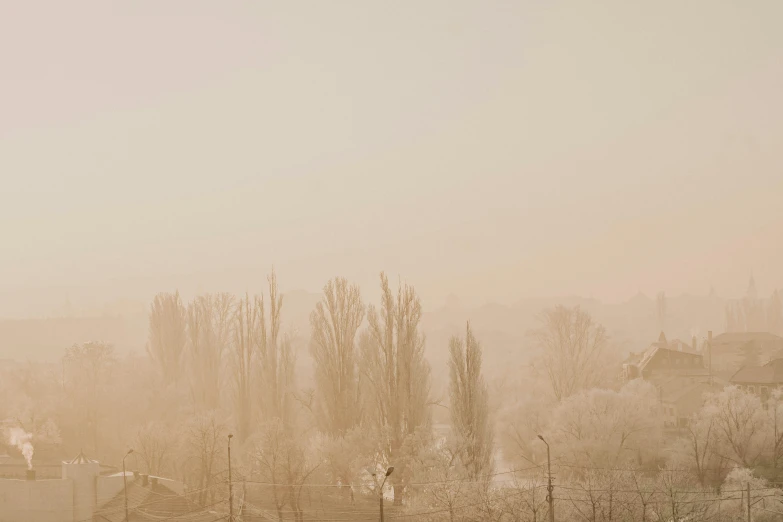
{"x":36,"y":500}
{"x":84,"y":478}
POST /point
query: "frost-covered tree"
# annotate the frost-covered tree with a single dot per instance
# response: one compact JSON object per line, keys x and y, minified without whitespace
{"x":741,"y":425}
{"x":334,"y":323}
{"x":573,"y":349}
{"x":600,"y":427}
{"x":469,"y":400}
{"x":397,"y":377}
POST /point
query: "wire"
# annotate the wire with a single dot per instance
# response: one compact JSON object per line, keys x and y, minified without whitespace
{"x":432,"y":483}
{"x":570,"y":488}
{"x":197,"y":510}
{"x":445,"y":510}
{"x":145,"y":504}
{"x":674,"y":470}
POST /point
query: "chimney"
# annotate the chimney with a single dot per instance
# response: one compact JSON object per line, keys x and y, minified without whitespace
{"x":693,"y":343}
{"x":30,"y":474}
{"x":144,"y":479}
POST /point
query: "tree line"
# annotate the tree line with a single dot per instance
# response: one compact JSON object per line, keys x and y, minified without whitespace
{"x":222,"y":364}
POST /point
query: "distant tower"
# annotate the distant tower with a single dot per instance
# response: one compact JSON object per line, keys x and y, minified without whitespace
{"x":84,"y":474}
{"x":752,"y":293}
{"x":68,"y":307}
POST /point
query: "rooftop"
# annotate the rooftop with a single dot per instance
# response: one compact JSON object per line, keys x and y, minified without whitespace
{"x":675,"y":391}
{"x":154,"y":502}
{"x":81,"y":458}
{"x":770,"y":373}
{"x":739,"y":337}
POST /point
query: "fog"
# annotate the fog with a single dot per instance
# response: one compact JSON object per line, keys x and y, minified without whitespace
{"x":444,"y":237}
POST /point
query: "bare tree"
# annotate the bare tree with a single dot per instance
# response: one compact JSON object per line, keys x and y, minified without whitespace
{"x":700,"y":437}
{"x":204,"y":445}
{"x":643,"y":493}
{"x":573,"y":347}
{"x":397,"y":375}
{"x":209,"y":321}
{"x":88,"y":367}
{"x":443,"y":479}
{"x":334,"y":324}
{"x":276,"y":360}
{"x":155,"y":445}
{"x":528,"y":501}
{"x":167,"y":336}
{"x":284,"y":465}
{"x":741,"y":425}
{"x":248,"y":329}
{"x":470,"y":406}
{"x":678,"y":498}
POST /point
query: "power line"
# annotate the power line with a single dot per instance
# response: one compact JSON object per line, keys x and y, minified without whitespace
{"x":145,"y":504}
{"x":431,"y":483}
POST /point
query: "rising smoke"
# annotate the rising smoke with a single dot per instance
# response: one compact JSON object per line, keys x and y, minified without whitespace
{"x":23,"y":441}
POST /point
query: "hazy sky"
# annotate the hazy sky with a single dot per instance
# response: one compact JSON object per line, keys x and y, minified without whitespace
{"x":495,"y":150}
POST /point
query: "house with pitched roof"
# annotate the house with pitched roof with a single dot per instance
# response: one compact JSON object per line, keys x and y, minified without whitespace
{"x":663,"y":360}
{"x":732,"y":350}
{"x":681,"y":400}
{"x":84,"y":492}
{"x":760,"y":380}
{"x":152,"y":499}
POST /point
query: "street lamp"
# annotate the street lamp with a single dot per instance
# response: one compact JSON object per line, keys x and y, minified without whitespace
{"x":230,"y":489}
{"x":389,"y":471}
{"x":549,"y":488}
{"x":125,"y":483}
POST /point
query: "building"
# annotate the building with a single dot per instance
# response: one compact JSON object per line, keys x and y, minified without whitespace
{"x":664,"y":360}
{"x":83,"y":494}
{"x":732,"y":350}
{"x":760,"y":380}
{"x":681,"y":400}
{"x":154,"y":499}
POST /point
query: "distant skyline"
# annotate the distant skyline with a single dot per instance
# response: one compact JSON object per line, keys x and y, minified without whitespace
{"x":492,"y":151}
{"x":19,"y":302}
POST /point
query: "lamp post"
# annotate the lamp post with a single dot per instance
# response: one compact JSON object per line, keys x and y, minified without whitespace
{"x":389,"y":471}
{"x":230,"y":489}
{"x":549,"y":497}
{"x":125,"y":483}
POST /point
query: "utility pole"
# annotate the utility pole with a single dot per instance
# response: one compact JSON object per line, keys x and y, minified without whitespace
{"x":709,"y":347}
{"x":550,"y":497}
{"x":230,"y":489}
{"x":125,"y":483}
{"x":389,"y":471}
{"x":749,"y":520}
